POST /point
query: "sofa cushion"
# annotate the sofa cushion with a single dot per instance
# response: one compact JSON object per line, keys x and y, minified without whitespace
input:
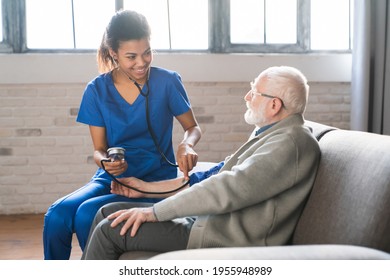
{"x":350,"y":199}
{"x":138,"y":255}
{"x":296,"y":252}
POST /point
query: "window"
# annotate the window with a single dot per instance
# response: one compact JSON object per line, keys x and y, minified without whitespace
{"x":263,"y":22}
{"x":175,"y":24}
{"x":220,"y":26}
{"x":287,"y":25}
{"x":76,"y":27}
{"x":79,"y":24}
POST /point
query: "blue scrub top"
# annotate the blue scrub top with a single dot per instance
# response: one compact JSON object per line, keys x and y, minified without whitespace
{"x":126,"y":124}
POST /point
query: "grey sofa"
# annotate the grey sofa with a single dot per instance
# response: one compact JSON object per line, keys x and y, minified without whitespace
{"x":347,"y":214}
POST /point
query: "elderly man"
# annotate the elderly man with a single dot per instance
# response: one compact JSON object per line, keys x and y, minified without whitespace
{"x":254,"y":199}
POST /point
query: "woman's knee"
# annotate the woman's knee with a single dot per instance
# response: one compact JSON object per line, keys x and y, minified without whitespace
{"x":58,"y":215}
{"x":87,"y":211}
{"x":84,"y":217}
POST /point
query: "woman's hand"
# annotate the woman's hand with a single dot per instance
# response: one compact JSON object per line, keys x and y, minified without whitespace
{"x":116,"y":168}
{"x":98,"y":135}
{"x":133,"y":218}
{"x":187,"y":158}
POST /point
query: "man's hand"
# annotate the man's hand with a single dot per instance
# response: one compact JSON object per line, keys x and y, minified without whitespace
{"x":130,"y":181}
{"x":133,"y":217}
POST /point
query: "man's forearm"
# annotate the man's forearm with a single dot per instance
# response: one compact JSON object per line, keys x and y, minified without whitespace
{"x":166,"y":187}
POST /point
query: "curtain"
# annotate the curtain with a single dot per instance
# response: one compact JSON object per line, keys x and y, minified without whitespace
{"x":370,"y":84}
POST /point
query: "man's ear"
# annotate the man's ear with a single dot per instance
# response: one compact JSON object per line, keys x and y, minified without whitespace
{"x":276,"y":105}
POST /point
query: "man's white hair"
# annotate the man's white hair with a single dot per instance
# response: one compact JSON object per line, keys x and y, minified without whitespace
{"x":289,"y":84}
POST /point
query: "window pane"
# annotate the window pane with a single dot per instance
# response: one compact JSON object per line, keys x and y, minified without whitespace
{"x":1,"y":22}
{"x":189,"y":24}
{"x":351,"y":10}
{"x":157,"y":14}
{"x":330,"y":24}
{"x":91,"y":18}
{"x":49,"y":24}
{"x":247,"y":21}
{"x":281,"y":21}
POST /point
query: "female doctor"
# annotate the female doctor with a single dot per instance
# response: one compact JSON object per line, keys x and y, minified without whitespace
{"x":116,"y":105}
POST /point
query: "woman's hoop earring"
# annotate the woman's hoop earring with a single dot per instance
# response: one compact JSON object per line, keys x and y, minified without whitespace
{"x":115,"y":62}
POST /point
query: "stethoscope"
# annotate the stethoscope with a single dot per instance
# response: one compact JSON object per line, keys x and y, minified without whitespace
{"x":152,"y":134}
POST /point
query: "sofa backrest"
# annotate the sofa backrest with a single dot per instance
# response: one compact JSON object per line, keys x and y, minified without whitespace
{"x":319,"y":129}
{"x":350,"y":199}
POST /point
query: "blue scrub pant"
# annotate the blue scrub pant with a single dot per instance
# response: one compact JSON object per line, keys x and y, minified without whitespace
{"x":74,"y":213}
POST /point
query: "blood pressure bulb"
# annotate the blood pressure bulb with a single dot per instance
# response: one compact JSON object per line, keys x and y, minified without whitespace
{"x":116,"y":153}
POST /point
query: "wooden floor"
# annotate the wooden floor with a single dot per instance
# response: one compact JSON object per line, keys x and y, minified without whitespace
{"x":21,"y":238}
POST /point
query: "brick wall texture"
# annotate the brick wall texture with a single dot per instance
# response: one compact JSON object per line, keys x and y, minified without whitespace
{"x":45,"y":154}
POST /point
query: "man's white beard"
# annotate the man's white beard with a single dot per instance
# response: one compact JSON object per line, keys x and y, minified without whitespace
{"x":255,"y":117}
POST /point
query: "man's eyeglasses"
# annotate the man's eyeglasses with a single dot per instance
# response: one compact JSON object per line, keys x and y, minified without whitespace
{"x":254,"y":92}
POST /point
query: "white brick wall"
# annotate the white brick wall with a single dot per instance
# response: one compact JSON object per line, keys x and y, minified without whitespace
{"x":45,"y":154}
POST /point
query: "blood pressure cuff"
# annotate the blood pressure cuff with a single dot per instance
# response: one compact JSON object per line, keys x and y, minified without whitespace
{"x":199,"y":176}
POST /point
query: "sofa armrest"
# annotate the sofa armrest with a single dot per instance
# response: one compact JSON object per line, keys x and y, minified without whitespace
{"x":293,"y":252}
